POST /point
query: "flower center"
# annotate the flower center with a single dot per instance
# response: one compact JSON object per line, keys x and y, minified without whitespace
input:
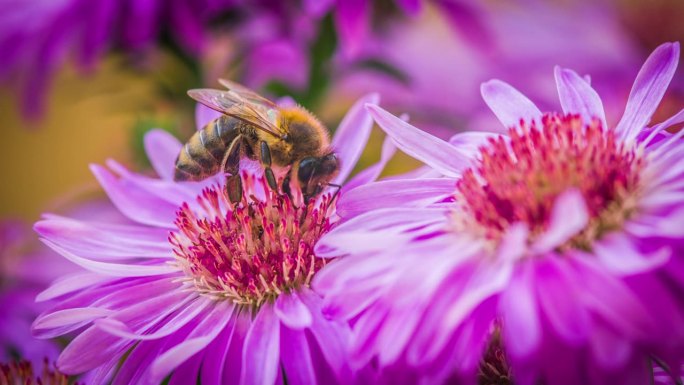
{"x":519,"y":178}
{"x":22,"y":373}
{"x":251,"y":253}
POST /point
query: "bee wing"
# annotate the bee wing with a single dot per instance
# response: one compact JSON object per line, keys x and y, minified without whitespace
{"x":246,"y":93}
{"x":232,"y":104}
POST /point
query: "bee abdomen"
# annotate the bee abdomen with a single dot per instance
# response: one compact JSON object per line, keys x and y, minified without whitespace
{"x":202,"y":155}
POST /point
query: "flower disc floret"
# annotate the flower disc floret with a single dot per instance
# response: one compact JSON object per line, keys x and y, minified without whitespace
{"x":519,"y":178}
{"x":251,"y":253}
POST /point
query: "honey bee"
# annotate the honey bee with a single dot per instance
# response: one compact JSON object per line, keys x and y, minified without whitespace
{"x":254,"y":127}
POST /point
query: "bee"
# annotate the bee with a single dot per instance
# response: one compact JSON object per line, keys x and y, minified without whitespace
{"x":256,"y":128}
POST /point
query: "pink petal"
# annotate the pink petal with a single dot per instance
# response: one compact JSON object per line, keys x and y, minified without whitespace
{"x":68,"y":317}
{"x":292,"y":312}
{"x":88,"y":239}
{"x":69,"y":284}
{"x":618,"y":254}
{"x":371,"y":173}
{"x":113,"y":269}
{"x":138,"y":205}
{"x":162,"y":150}
{"x":518,"y":309}
{"x":297,"y":361}
{"x":569,"y":216}
{"x":205,"y":332}
{"x":204,"y":115}
{"x":260,"y":356}
{"x":351,"y":20}
{"x":433,"y":151}
{"x":577,"y":96}
{"x":216,"y":356}
{"x":648,"y":89}
{"x":394,"y":193}
{"x":318,"y":8}
{"x":352,"y":135}
{"x":88,"y":350}
{"x":469,"y":143}
{"x":410,"y":7}
{"x":508,"y":104}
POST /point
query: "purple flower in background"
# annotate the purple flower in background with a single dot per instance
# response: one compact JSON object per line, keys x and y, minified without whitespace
{"x":24,"y":373}
{"x":191,"y":286}
{"x":38,"y":36}
{"x":437,"y":73}
{"x":566,"y":233}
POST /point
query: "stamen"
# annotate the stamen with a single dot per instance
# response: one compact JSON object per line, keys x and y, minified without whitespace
{"x":519,"y":179}
{"x":251,"y":253}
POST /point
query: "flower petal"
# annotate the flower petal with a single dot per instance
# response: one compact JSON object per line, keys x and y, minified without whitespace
{"x":371,"y":173}
{"x":433,"y":151}
{"x":619,"y":255}
{"x":568,"y":217}
{"x":113,"y":269}
{"x":162,"y":149}
{"x":508,"y":104}
{"x":260,"y":356}
{"x":648,"y":89}
{"x":518,"y":309}
{"x":292,"y":312}
{"x":351,"y":20}
{"x":577,"y":96}
{"x":136,"y":204}
{"x":394,"y":193}
{"x":204,"y":115}
{"x":205,"y":332}
{"x":297,"y":362}
{"x":352,"y":135}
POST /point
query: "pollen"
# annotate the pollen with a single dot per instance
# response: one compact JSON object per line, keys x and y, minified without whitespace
{"x":519,"y":178}
{"x":251,"y":253}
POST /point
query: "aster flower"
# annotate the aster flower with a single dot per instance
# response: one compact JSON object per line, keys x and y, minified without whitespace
{"x":567,"y":233}
{"x":22,"y":373}
{"x":191,"y":286}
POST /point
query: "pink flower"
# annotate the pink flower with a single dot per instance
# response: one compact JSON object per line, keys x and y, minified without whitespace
{"x":191,"y":286}
{"x":567,"y":232}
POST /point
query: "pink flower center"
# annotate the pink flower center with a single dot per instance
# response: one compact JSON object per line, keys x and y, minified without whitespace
{"x":22,"y":373}
{"x":252,"y":253}
{"x":519,"y":178}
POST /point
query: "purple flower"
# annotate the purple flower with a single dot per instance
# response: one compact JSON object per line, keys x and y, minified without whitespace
{"x":567,"y":233}
{"x":38,"y":36}
{"x":22,"y":373}
{"x":191,"y":286}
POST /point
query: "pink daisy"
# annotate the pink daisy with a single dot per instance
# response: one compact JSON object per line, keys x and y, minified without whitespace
{"x":567,"y":233}
{"x":191,"y":287}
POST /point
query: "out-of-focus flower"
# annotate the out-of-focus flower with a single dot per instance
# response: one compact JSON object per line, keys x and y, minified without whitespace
{"x":225,"y":296}
{"x":566,"y":232}
{"x":435,"y":73}
{"x":38,"y":36}
{"x":22,"y":373}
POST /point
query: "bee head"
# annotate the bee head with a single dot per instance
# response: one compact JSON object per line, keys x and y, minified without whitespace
{"x":314,"y":173}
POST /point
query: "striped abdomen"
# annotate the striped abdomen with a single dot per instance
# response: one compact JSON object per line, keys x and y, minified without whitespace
{"x":202,"y":155}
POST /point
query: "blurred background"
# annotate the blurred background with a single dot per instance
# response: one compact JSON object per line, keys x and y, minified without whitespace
{"x":83,"y":80}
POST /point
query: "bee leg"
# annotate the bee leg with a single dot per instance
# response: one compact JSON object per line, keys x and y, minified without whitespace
{"x":231,"y":164}
{"x":286,"y":186}
{"x":265,"y":158}
{"x":337,"y":190}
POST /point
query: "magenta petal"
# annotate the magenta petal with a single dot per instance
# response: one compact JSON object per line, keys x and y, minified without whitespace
{"x":410,"y":7}
{"x":394,"y":193}
{"x":260,"y":356}
{"x":470,"y":143}
{"x":433,"y":151}
{"x":351,"y":20}
{"x":204,"y":115}
{"x":518,"y":309}
{"x":69,"y":284}
{"x":648,"y":89}
{"x":113,"y":269}
{"x":371,"y":173}
{"x":352,"y":135}
{"x":618,"y":254}
{"x":88,"y":350}
{"x":568,"y":217}
{"x":292,"y":312}
{"x":138,"y":205}
{"x":69,"y":316}
{"x":211,"y":325}
{"x":317,"y":8}
{"x":162,"y":150}
{"x":297,"y":362}
{"x":577,"y":96}
{"x":508,"y":104}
